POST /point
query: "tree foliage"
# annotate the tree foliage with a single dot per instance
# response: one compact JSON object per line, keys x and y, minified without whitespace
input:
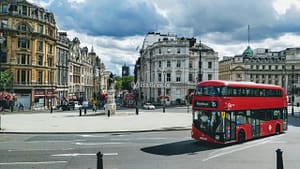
{"x":124,"y":83}
{"x":5,"y":80}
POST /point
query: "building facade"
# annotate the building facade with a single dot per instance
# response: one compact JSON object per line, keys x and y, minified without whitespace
{"x":169,"y":67}
{"x":264,"y":66}
{"x":29,"y":52}
{"x":45,"y":66}
{"x":62,"y":55}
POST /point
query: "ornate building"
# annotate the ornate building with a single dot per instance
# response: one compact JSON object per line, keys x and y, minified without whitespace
{"x":264,"y":66}
{"x":62,"y":55}
{"x":29,"y":52}
{"x":169,"y":66}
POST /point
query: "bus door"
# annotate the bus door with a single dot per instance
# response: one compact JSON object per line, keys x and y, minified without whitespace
{"x":230,"y":125}
{"x":255,"y":124}
{"x":285,"y":118}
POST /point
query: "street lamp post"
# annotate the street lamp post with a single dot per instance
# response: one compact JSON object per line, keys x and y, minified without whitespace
{"x":200,"y":64}
{"x":164,"y":102}
{"x":2,"y":39}
{"x":293,"y":90}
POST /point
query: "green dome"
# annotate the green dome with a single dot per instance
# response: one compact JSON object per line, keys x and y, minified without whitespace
{"x":248,"y":52}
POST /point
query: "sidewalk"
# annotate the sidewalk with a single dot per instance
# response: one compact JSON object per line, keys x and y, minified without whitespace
{"x":71,"y":122}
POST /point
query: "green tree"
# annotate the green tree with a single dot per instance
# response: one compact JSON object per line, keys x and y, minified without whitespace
{"x":124,"y":83}
{"x":118,"y":80}
{"x":5,"y":80}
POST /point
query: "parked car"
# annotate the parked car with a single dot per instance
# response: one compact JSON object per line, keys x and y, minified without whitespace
{"x":68,"y":106}
{"x":149,"y":106}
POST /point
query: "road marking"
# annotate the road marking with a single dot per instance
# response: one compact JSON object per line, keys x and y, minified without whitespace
{"x":88,"y":135}
{"x":80,"y":154}
{"x":16,"y":150}
{"x":235,"y":150}
{"x":94,"y":144}
{"x":33,"y":163}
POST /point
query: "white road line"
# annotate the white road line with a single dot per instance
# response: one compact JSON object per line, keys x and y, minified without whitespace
{"x":33,"y":163}
{"x":94,"y":144}
{"x":236,"y":149}
{"x":88,"y":135}
{"x":81,"y":154}
{"x":16,"y":150}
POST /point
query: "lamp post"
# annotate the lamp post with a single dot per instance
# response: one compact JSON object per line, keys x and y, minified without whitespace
{"x":200,"y":64}
{"x":164,"y":102}
{"x":52,"y":78}
{"x":2,"y":39}
{"x":293,"y":90}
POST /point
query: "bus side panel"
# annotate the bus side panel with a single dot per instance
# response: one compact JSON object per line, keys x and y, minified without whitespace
{"x":269,"y":127}
{"x":198,"y":135}
{"x":247,"y":129}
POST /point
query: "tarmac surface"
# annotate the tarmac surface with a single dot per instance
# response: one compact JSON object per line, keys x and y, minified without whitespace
{"x":98,"y":122}
{"x":93,"y":122}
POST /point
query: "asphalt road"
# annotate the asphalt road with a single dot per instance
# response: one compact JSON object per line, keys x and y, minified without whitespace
{"x":145,"y":150}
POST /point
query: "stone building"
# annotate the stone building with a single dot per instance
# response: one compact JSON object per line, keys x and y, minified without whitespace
{"x":264,"y":66}
{"x":29,"y":52}
{"x":168,"y":67}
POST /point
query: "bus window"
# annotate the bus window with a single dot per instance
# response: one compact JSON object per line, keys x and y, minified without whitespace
{"x":240,"y":118}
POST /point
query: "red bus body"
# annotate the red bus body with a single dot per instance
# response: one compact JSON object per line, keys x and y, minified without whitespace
{"x":227,"y":112}
{"x":129,"y":100}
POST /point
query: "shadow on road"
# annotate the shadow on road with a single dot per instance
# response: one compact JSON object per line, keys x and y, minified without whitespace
{"x":294,"y":121}
{"x":178,"y":148}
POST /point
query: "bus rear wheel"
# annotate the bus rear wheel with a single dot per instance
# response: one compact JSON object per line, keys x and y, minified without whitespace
{"x":241,"y":136}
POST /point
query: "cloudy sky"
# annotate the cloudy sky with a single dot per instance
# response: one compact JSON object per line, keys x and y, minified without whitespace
{"x":115,"y":28}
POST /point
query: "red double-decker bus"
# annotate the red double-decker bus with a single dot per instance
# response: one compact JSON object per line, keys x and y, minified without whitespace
{"x":226,"y":112}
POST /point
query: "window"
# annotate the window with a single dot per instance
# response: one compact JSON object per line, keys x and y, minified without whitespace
{"x":209,"y":65}
{"x":191,"y":79}
{"x":4,"y":23}
{"x":159,"y":51}
{"x":4,"y":8}
{"x":190,"y":64}
{"x":40,"y":77}
{"x":178,"y":63}
{"x":23,"y":43}
{"x":23,"y":76}
{"x":50,"y":49}
{"x":159,"y":77}
{"x":168,"y":77}
{"x":41,"y":29}
{"x":24,"y":10}
{"x":40,"y":46}
{"x":209,"y":76}
{"x":159,"y":63}
{"x":178,"y":50}
{"x":40,"y":60}
{"x":178,"y":77}
{"x":169,"y":50}
{"x":168,"y":63}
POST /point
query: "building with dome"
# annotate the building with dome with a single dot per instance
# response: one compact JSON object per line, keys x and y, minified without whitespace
{"x":264,"y":66}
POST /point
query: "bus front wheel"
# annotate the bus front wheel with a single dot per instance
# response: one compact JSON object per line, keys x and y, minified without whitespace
{"x":277,"y":129}
{"x":241,"y":136}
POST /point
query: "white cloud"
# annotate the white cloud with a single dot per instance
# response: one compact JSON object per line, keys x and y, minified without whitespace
{"x":281,"y":6}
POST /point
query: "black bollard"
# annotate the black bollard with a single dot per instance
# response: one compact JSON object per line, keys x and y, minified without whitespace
{"x":108,"y":113}
{"x":85,"y":110}
{"x":99,"y":160}
{"x":79,"y":111}
{"x":279,"y":159}
{"x":137,"y":111}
